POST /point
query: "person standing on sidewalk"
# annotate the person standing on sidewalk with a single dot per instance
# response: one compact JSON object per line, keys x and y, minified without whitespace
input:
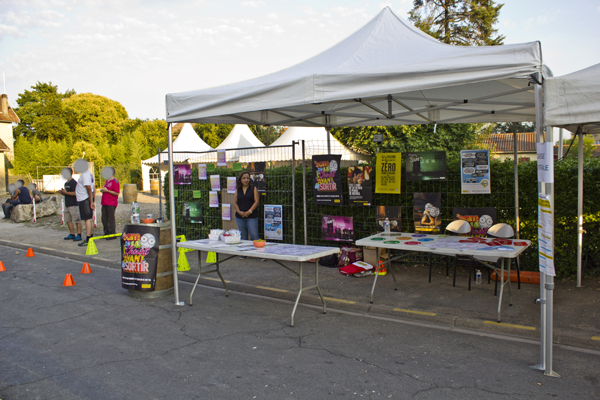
{"x":85,"y":192}
{"x":110,"y":200}
{"x":71,"y":205}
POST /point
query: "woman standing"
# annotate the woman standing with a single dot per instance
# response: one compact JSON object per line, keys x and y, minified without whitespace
{"x":246,"y":204}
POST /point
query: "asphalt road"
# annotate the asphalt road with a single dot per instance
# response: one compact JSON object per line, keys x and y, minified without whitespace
{"x":93,"y":341}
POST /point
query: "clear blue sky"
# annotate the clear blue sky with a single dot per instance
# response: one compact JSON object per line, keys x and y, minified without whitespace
{"x":136,"y":51}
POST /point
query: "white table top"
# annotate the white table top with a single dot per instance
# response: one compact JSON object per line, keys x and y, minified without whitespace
{"x":444,"y":244}
{"x":289,"y":252}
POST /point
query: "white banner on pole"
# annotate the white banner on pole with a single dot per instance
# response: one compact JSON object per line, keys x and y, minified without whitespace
{"x":545,"y":162}
{"x":546,"y":235}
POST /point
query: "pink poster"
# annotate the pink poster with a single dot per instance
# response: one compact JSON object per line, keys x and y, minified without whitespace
{"x":231,"y":184}
{"x":213,"y":199}
{"x":226,"y":212}
{"x":221,"y":158}
{"x":215,"y":183}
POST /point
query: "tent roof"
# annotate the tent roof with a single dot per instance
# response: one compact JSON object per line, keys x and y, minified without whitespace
{"x":188,"y":140}
{"x":240,"y":137}
{"x":574,"y":99}
{"x":315,"y":143}
{"x":386,"y":73}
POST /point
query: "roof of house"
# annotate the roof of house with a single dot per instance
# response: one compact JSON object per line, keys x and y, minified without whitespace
{"x":504,"y":142}
{"x":12,"y":117}
{"x":3,"y":146}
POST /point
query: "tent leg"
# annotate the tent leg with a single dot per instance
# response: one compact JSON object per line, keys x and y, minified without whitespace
{"x":579,"y":207}
{"x":173,"y":227}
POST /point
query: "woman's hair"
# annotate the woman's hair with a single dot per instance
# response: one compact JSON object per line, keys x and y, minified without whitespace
{"x":239,"y":179}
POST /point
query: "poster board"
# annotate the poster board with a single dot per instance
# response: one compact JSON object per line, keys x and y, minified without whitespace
{"x":139,"y":257}
{"x":427,"y":212}
{"x":479,"y":218}
{"x":426,"y":166}
{"x":475,"y":172}
{"x":274,"y":222}
{"x":388,"y":172}
{"x":337,"y":228}
{"x":360,"y":185}
{"x":327,"y":179}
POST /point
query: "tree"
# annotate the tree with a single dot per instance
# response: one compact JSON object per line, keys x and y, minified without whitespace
{"x":213,"y":134}
{"x":513,"y":127}
{"x":588,"y":147}
{"x":458,"y":22}
{"x":266,"y":134}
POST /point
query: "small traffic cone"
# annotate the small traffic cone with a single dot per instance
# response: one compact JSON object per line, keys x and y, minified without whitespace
{"x":211,"y":257}
{"x":382,"y":269}
{"x":182,"y":262}
{"x":30,"y":253}
{"x":2,"y":266}
{"x":91,"y":249}
{"x":86,"y":269}
{"x":69,"y":280}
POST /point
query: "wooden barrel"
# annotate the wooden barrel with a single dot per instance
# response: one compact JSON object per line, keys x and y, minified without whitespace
{"x":129,"y":193}
{"x":154,"y":186}
{"x":164,"y":270}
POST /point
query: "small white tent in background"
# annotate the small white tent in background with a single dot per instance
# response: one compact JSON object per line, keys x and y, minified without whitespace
{"x":240,"y":137}
{"x":188,"y":140}
{"x":315,"y":143}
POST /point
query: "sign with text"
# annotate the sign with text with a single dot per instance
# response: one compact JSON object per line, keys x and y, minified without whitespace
{"x":387,"y":176}
{"x":139,"y":257}
{"x":545,"y":162}
{"x":360,"y":185}
{"x":327,"y":179}
{"x":546,"y":235}
{"x":475,"y":172}
{"x":426,"y":165}
{"x":273,"y":222}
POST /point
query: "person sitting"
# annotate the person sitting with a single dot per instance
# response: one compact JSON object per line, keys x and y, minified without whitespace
{"x":35,"y":193}
{"x":20,"y":195}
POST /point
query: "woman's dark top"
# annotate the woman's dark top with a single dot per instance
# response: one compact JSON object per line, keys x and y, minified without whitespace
{"x":245,"y":202}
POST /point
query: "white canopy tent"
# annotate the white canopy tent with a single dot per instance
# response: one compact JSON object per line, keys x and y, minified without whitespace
{"x":386,"y":73}
{"x":316,"y":143}
{"x":572,"y":102}
{"x":187,"y":141}
{"x":240,"y":137}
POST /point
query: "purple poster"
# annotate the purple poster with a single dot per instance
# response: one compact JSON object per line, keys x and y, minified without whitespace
{"x":182,"y":174}
{"x":337,"y":228}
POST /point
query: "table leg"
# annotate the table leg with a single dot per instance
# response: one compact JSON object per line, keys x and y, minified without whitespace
{"x":509,"y":286}
{"x":501,"y":287}
{"x":375,"y":280}
{"x":198,"y":278}
{"x":389,"y":267}
{"x":317,"y":283}
{"x":299,"y":294}
{"x":221,"y":276}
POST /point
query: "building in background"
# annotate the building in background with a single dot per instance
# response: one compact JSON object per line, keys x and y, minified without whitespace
{"x":502,"y":146}
{"x":8,"y":119}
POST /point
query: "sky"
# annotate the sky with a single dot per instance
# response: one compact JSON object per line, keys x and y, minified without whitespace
{"x":137,"y":51}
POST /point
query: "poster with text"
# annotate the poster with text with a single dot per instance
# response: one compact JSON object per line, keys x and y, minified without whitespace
{"x":273,"y":222}
{"x":475,"y":171}
{"x":545,"y":235}
{"x":387,"y":175}
{"x":192,"y":213}
{"x":226,"y":212}
{"x":213,"y":199}
{"x":337,"y":228}
{"x":427,"y":212}
{"x":202,"y":172}
{"x":393,"y":214}
{"x":480,"y":218}
{"x":258,"y":175}
{"x":182,"y":174}
{"x":221,"y":158}
{"x":231,"y":184}
{"x":327,"y":179}
{"x":215,"y":183}
{"x":360,"y":185}
{"x":139,"y":257}
{"x":426,"y":166}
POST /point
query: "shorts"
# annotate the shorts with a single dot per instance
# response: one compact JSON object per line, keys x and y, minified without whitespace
{"x":72,"y":214}
{"x":85,"y":211}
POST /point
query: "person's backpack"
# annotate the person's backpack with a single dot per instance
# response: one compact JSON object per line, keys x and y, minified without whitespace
{"x":330,"y":261}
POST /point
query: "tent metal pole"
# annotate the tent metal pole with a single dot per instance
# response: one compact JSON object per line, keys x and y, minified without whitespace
{"x":579,"y":206}
{"x":328,"y":128}
{"x":516,"y":162}
{"x":304,"y":193}
{"x":560,"y":143}
{"x":159,"y":186}
{"x":173,"y":227}
{"x":294,"y":191}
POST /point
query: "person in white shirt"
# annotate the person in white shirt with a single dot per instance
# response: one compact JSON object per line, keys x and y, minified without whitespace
{"x":85,"y":192}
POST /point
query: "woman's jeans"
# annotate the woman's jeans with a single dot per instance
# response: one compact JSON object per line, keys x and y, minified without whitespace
{"x":246,"y":225}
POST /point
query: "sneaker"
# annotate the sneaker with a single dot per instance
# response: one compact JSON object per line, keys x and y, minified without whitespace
{"x":84,"y":243}
{"x":70,"y":237}
{"x":76,"y":238}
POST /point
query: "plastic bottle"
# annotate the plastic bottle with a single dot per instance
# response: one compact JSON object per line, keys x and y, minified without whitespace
{"x":386,"y":226}
{"x":478,"y":277}
{"x":135,"y":213}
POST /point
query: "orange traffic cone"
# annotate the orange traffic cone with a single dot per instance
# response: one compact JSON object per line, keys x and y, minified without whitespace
{"x":382,"y":268}
{"x":30,"y":253}
{"x":86,"y":269}
{"x":2,"y":266}
{"x":69,"y":280}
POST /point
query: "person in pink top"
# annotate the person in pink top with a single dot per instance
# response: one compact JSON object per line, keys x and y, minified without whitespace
{"x":110,"y":200}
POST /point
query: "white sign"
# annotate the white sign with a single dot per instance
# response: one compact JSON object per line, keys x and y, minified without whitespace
{"x":545,"y":162}
{"x":475,"y":172}
{"x":546,"y":235}
{"x":273,"y":222}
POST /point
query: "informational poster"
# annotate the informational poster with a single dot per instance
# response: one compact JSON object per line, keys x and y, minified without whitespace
{"x":192,"y":213}
{"x":475,"y":172}
{"x":480,"y":218}
{"x":360,"y":185}
{"x":426,"y":166}
{"x":226,"y":212}
{"x":337,"y":228}
{"x":387,"y":175}
{"x":221,"y":158}
{"x":258,"y":176}
{"x":182,"y":174}
{"x":393,"y":214}
{"x":213,"y":199}
{"x":427,"y":212}
{"x":545,"y":162}
{"x":327,"y":179}
{"x":215,"y":183}
{"x":231,"y":184}
{"x":202,"y":172}
{"x":139,"y":257}
{"x":273,"y":222}
{"x":546,"y":235}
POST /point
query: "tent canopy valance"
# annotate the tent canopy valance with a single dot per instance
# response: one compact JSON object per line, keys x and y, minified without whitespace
{"x":386,"y":73}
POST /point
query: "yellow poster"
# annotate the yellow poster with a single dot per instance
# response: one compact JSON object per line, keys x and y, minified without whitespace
{"x":388,"y":173}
